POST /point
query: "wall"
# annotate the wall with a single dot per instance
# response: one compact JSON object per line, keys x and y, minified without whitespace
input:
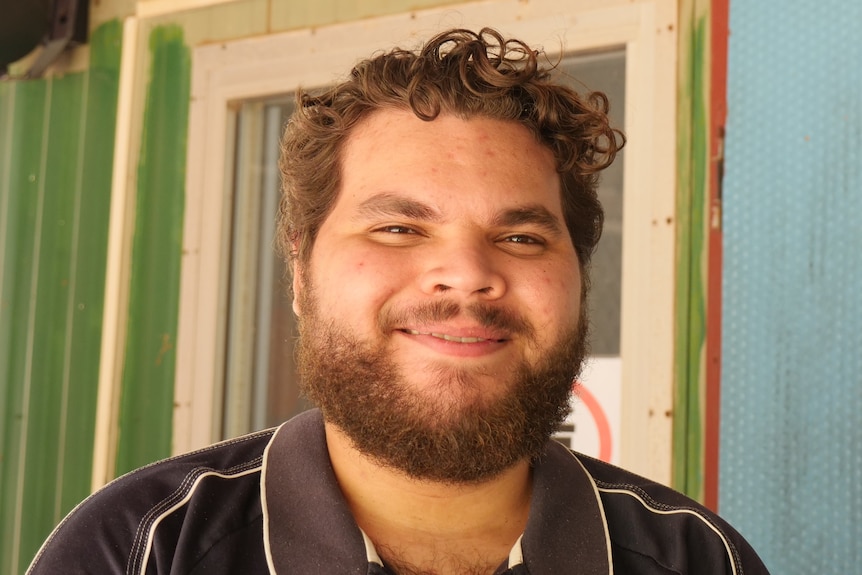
{"x":56,"y":151}
{"x":791,"y":463}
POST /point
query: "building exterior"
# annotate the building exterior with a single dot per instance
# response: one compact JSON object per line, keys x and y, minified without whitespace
{"x":139,"y":319}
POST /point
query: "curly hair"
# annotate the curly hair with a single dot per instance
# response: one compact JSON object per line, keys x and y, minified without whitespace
{"x":457,"y":72}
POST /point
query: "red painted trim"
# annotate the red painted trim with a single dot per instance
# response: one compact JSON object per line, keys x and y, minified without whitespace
{"x":718,"y":115}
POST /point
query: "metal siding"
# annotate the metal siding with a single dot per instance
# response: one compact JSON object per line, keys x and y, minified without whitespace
{"x":94,"y":198}
{"x":791,"y":465}
{"x":146,"y":411}
{"x":22,"y":181}
{"x":48,"y":382}
{"x":55,"y":172}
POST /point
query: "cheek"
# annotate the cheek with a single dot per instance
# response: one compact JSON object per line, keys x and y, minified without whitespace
{"x":555,"y":299}
{"x":353,"y":286}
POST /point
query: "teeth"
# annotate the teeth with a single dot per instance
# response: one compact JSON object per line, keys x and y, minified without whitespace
{"x":447,"y":337}
{"x":457,"y":339}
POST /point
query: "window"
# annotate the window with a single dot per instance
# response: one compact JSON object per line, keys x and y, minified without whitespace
{"x":239,"y":102}
{"x":260,"y":385}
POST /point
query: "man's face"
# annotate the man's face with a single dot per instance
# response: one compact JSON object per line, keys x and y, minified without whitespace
{"x":439,"y":310}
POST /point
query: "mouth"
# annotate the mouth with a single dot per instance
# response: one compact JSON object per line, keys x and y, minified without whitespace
{"x":452,"y":338}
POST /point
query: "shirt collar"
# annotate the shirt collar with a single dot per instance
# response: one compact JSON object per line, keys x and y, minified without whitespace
{"x":308,"y":527}
{"x":566,"y":529}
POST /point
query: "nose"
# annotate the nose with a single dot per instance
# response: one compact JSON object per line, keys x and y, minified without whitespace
{"x":468,"y":271}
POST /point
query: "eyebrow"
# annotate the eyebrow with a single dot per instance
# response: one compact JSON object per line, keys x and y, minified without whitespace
{"x":390,"y":204}
{"x":536,"y":215}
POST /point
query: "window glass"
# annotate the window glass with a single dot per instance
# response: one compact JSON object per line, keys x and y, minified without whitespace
{"x":261,"y":383}
{"x":605,"y":72}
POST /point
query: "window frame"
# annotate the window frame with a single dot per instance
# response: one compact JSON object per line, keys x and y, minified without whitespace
{"x":258,"y":67}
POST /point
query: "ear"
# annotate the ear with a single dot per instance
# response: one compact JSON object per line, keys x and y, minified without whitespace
{"x":297,"y":271}
{"x":297,"y":285}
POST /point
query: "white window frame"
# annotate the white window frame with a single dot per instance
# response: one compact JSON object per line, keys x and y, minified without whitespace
{"x":258,"y":67}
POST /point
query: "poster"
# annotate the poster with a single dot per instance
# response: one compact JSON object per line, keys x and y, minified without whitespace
{"x":593,"y":426}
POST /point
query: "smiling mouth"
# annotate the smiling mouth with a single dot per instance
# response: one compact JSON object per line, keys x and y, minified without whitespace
{"x":448,"y":337}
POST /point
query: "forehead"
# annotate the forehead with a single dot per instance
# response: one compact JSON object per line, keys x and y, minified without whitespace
{"x":448,"y":133}
{"x":448,"y":158}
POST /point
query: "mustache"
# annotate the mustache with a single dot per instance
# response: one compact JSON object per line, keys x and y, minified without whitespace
{"x":488,"y":316}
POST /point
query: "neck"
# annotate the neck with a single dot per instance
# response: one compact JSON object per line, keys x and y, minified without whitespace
{"x":430,"y":526}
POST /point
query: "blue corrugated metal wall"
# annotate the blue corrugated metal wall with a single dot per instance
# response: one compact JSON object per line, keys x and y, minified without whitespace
{"x":791,"y":447}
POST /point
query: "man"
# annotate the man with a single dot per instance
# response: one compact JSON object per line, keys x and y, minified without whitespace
{"x":439,"y":216}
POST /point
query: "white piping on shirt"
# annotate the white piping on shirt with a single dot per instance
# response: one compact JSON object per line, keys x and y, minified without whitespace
{"x":601,"y":511}
{"x":267,"y":549}
{"x":693,"y":512}
{"x":151,"y":531}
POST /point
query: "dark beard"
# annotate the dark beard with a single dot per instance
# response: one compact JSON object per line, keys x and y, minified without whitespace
{"x":359,"y":389}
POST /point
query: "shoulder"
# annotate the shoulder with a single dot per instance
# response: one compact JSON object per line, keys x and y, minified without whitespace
{"x":140,"y":516}
{"x":651,"y":523}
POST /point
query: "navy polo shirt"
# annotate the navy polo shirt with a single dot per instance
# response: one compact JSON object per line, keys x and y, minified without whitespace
{"x":269,"y":502}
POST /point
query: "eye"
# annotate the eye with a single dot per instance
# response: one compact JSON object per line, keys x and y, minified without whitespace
{"x":522,"y":244}
{"x":396,"y":235}
{"x":396,"y":229}
{"x":523,"y":239}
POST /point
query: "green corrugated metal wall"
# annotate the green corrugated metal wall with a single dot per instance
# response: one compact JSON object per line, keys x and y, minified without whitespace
{"x":56,"y":153}
{"x":146,"y":412}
